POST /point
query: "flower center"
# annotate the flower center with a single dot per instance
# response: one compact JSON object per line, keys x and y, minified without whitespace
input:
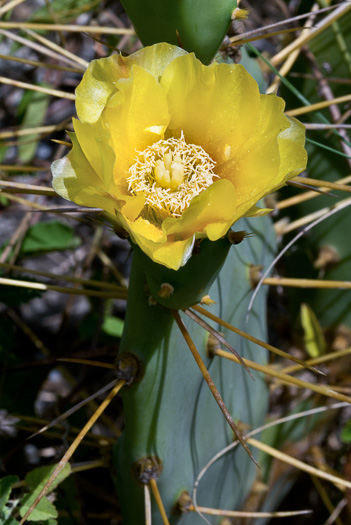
{"x":170,"y":173}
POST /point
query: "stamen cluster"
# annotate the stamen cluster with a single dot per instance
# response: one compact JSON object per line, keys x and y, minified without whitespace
{"x":170,"y":173}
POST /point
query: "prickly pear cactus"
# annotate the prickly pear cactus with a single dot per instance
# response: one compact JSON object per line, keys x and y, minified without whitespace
{"x":170,"y":414}
{"x":128,"y":109}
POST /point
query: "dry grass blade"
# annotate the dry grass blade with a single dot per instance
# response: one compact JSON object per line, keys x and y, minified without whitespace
{"x":58,"y":49}
{"x":271,"y":424}
{"x":317,"y":106}
{"x":10,"y":5}
{"x":73,"y":447}
{"x":31,"y":189}
{"x":34,"y":206}
{"x":241,"y":514}
{"x":297,"y":199}
{"x":11,"y":167}
{"x":40,"y":89}
{"x":243,"y":41}
{"x":36,"y":63}
{"x":258,"y":342}
{"x":67,"y":278}
{"x":327,"y":21}
{"x":235,"y":39}
{"x":325,"y":390}
{"x":315,"y":126}
{"x":323,"y":183}
{"x":333,"y":518}
{"x":319,"y":360}
{"x":317,"y":215}
{"x":299,"y":464}
{"x":30,"y":131}
{"x":69,"y":28}
{"x":211,"y":384}
{"x":333,"y":211}
{"x":307,"y":283}
{"x":291,"y":59}
{"x":62,"y":289}
{"x":39,"y":48}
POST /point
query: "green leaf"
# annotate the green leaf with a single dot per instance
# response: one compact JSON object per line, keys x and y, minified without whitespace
{"x":36,"y":480}
{"x":5,"y":489}
{"x":34,"y":116}
{"x":3,"y":200}
{"x":43,"y":511}
{"x":49,"y":236}
{"x":8,"y":520}
{"x":113,"y":326}
{"x":110,"y":327}
{"x":345,"y":435}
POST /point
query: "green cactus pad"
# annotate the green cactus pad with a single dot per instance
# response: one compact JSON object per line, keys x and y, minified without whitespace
{"x":170,"y":413}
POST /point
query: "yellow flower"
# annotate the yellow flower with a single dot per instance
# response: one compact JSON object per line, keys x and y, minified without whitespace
{"x":173,"y":150}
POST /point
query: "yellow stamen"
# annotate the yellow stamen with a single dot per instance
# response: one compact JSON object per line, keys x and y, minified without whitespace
{"x":170,"y":173}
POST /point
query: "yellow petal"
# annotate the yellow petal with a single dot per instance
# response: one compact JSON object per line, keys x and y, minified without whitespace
{"x":172,"y":254}
{"x":97,"y":85}
{"x":271,"y":118}
{"x":154,"y":58}
{"x":74,"y":179}
{"x":94,"y":142}
{"x":216,"y":106}
{"x":132,"y":116}
{"x":295,"y":132}
{"x":274,"y":151}
{"x":99,"y":80}
{"x":293,"y":156}
{"x":153,"y":242}
{"x":211,"y":212}
{"x":131,"y":207}
{"x":141,"y":229}
{"x":256,"y":164}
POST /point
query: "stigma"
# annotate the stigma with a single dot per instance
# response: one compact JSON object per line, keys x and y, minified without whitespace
{"x":169,"y":172}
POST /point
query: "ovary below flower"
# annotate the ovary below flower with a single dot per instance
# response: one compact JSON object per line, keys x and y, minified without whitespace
{"x":173,"y":150}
